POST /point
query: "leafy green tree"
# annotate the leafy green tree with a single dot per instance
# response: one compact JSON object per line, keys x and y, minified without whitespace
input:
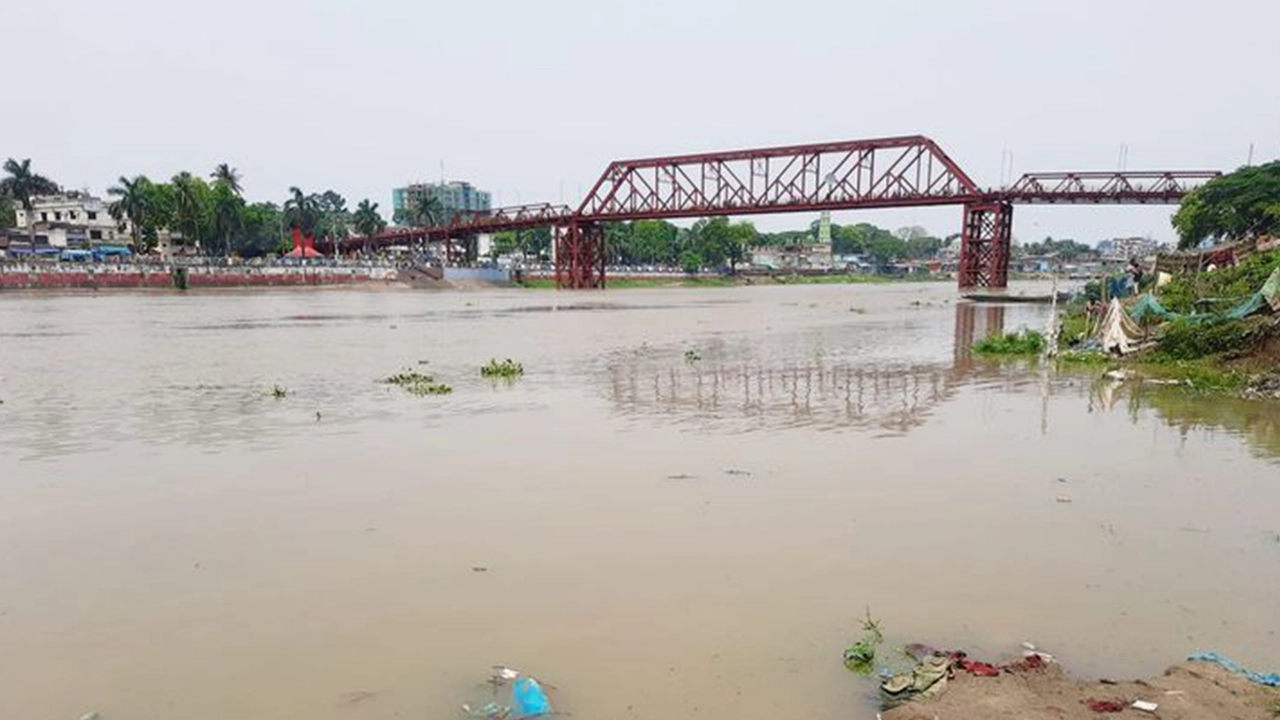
{"x":503,"y":243}
{"x":865,"y":238}
{"x":22,"y":184}
{"x":743,"y":235}
{"x":8,"y":216}
{"x":261,"y":231}
{"x":617,"y":243}
{"x":334,"y":221}
{"x":366,"y":219}
{"x":226,"y":217}
{"x":1242,"y":204}
{"x":923,"y":247}
{"x":791,"y":237}
{"x":691,"y":261}
{"x":161,"y":203}
{"x":535,"y":242}
{"x":191,"y":208}
{"x":653,"y":242}
{"x":229,"y":177}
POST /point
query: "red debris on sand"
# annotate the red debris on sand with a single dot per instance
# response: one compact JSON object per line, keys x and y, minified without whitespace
{"x":1026,"y":664}
{"x":980,"y":669}
{"x":1105,"y":706}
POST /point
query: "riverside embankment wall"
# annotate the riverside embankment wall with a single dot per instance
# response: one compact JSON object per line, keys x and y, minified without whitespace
{"x":62,"y":276}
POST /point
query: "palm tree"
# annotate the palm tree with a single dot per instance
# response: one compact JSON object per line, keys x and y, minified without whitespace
{"x":189,"y":205}
{"x":131,"y":203}
{"x":427,"y":210}
{"x":227,"y":217}
{"x":227,"y":176}
{"x":302,"y":212}
{"x":22,"y":185}
{"x":367,"y":220}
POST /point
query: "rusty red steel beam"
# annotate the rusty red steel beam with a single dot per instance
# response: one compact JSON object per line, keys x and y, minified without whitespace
{"x":902,"y":171}
{"x":1121,"y":187}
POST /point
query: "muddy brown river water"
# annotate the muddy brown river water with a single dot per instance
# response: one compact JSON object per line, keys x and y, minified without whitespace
{"x":662,"y":538}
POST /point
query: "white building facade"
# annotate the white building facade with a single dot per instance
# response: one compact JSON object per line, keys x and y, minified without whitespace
{"x":71,"y":219}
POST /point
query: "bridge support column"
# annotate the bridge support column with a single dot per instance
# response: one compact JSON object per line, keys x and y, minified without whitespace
{"x":580,"y":256}
{"x":984,"y":245}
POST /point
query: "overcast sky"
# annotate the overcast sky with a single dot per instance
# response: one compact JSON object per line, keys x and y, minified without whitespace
{"x":531,"y":98}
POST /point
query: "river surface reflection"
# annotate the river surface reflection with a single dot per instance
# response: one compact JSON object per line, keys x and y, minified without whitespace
{"x":694,"y":492}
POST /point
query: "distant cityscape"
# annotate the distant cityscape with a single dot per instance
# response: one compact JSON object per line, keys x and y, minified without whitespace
{"x":79,"y":222}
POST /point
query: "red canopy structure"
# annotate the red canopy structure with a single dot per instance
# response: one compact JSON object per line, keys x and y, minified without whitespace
{"x":303,"y":246}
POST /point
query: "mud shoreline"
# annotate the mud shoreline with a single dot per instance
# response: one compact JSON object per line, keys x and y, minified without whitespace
{"x":1186,"y":691}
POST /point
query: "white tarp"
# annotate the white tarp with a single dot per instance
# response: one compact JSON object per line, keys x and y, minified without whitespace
{"x":1120,"y":334}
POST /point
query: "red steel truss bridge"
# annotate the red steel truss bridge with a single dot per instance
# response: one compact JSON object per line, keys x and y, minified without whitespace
{"x":896,"y":172}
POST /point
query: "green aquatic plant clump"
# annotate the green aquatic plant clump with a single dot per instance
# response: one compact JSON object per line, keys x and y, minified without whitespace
{"x":860,"y":657}
{"x":408,"y":377}
{"x":417,"y":383}
{"x":1026,"y":342}
{"x":509,"y":369}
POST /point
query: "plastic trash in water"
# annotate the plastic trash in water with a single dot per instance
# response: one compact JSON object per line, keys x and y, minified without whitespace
{"x":490,"y":711}
{"x":1272,"y":679}
{"x":505,"y":672}
{"x":528,"y":700}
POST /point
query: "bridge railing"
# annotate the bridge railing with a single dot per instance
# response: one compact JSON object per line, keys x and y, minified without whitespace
{"x":1106,"y":187}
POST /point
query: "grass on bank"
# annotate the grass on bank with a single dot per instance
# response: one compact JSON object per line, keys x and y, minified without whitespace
{"x":1024,"y":342}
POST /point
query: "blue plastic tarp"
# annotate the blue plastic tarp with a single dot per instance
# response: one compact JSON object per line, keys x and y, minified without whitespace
{"x":1226,"y":663}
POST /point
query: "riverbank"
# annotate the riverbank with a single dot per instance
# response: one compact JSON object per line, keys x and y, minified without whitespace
{"x":166,"y":276}
{"x":1212,"y":331}
{"x":1187,"y":691}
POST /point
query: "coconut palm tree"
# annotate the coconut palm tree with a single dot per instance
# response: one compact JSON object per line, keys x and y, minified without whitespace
{"x":367,"y":220}
{"x":302,"y":212}
{"x":227,"y":217}
{"x":427,"y":210}
{"x":22,"y":185}
{"x":131,"y":203}
{"x":228,"y":176}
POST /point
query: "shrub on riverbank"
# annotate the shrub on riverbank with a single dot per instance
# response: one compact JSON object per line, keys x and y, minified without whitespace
{"x":1185,"y":340}
{"x":1221,"y":288}
{"x":1026,"y":342}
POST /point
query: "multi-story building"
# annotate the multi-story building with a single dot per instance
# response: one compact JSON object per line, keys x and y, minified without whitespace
{"x":454,"y":197}
{"x":70,"y":219}
{"x":1126,"y":248}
